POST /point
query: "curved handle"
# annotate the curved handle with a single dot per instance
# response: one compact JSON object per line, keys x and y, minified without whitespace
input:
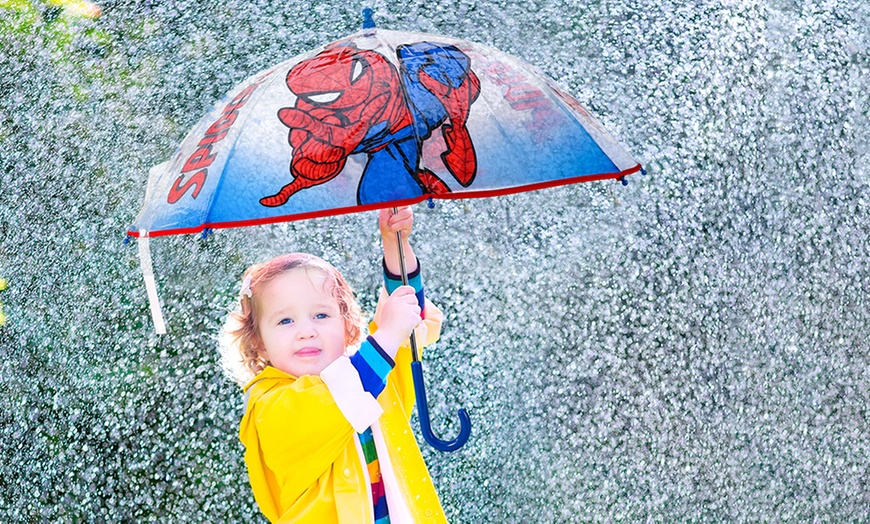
{"x":423,"y":411}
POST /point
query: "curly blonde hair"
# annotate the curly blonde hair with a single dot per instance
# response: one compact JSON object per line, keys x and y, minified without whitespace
{"x":242,"y":347}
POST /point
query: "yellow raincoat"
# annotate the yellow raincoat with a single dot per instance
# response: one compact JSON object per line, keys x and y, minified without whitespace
{"x":302,"y":455}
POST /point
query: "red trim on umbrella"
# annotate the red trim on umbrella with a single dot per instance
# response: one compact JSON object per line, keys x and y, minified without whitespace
{"x":484,"y":193}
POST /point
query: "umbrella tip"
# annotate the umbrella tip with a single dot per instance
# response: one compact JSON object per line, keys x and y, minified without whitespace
{"x":368,"y":20}
{"x":431,"y":203}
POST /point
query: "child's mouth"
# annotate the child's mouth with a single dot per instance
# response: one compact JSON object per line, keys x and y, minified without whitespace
{"x":308,"y":352}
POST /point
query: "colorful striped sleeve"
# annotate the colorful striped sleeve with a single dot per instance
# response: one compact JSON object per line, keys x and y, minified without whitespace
{"x":357,"y":405}
{"x":392,"y":281}
{"x":373,"y":365}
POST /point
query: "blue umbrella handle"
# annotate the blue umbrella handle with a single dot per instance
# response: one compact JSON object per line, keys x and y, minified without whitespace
{"x":420,"y":387}
{"x":423,"y":412}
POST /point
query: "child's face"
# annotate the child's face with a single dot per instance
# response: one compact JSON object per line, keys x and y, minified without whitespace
{"x":300,"y":323}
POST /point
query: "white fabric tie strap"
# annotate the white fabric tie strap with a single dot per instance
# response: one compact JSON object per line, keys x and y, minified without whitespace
{"x":150,"y":284}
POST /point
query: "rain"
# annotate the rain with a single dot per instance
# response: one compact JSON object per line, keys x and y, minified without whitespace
{"x":689,"y":347}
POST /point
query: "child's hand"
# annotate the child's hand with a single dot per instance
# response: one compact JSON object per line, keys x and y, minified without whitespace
{"x":400,"y":314}
{"x":400,"y":222}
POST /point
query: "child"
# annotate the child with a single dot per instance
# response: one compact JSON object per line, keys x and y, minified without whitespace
{"x":326,"y":424}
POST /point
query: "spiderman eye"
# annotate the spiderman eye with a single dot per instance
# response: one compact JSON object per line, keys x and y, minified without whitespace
{"x":323,"y":98}
{"x":357,"y":71}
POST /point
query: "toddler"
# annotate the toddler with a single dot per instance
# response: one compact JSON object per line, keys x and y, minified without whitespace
{"x":326,"y":425}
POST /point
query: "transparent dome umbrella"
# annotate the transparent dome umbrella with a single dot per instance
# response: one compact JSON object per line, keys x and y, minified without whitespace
{"x":377,"y":119}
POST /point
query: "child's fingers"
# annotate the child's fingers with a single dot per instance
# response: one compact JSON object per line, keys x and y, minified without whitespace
{"x":392,"y":223}
{"x":407,"y":296}
{"x":401,"y":312}
{"x":384,"y":219}
{"x":403,"y":219}
{"x":403,"y":212}
{"x":404,"y":292}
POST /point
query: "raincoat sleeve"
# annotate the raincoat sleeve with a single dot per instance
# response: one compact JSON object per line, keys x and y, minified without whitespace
{"x":427,"y":332}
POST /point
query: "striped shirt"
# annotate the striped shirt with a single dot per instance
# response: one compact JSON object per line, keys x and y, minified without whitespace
{"x":379,"y":498}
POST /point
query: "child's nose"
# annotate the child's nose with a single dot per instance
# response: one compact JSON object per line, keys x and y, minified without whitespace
{"x":305,"y":329}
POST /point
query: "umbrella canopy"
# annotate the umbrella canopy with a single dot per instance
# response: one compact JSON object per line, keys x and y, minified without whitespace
{"x":380,"y":118}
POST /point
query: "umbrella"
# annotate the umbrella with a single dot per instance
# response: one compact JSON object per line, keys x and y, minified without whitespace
{"x":377,"y":119}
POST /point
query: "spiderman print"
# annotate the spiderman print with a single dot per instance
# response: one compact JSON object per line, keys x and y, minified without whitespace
{"x":355,"y":101}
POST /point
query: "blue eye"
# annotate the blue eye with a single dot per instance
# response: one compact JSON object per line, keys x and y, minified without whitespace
{"x":321,"y":316}
{"x":285,"y":321}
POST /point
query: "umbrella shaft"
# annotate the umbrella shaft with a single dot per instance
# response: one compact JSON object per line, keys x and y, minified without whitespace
{"x":414,"y":352}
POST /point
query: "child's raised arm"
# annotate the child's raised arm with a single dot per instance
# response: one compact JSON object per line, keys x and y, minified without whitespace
{"x":399,"y":315}
{"x":401,"y":222}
